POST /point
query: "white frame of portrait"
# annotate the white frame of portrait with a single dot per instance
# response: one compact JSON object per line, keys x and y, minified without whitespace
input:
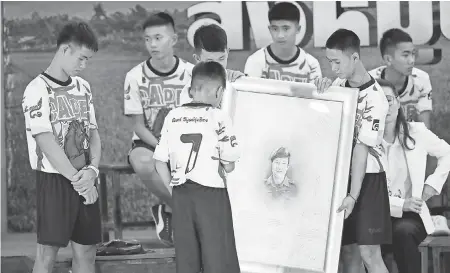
{"x":348,"y":97}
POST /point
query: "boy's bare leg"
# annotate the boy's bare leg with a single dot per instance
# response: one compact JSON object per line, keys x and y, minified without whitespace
{"x":45,"y":258}
{"x":83,"y":258}
{"x":351,"y":259}
{"x":141,"y":160}
{"x":371,"y":256}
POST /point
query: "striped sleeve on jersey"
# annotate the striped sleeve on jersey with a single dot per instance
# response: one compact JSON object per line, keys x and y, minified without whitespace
{"x":228,"y":144}
{"x":132,"y":98}
{"x":425,"y":102}
{"x":36,"y":107}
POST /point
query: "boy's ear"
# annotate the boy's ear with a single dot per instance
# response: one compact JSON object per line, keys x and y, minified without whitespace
{"x":387,"y":59}
{"x":355,"y":56}
{"x":299,"y":27}
{"x":174,"y":39}
{"x":190,"y":93}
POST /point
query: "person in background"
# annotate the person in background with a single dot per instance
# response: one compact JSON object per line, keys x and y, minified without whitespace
{"x":283,"y":59}
{"x":413,"y":85}
{"x":406,"y":146}
{"x":151,"y":89}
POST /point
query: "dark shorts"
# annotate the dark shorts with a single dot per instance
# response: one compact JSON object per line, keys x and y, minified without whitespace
{"x":139,"y":143}
{"x":370,"y":221}
{"x":61,"y":214}
{"x":203,"y":230}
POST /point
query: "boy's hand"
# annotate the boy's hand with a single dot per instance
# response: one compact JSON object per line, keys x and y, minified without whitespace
{"x":413,"y":204}
{"x":347,"y":204}
{"x":322,"y":84}
{"x":91,"y":196}
{"x":84,"y":180}
{"x":233,"y":75}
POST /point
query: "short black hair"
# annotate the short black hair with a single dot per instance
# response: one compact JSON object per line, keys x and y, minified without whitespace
{"x":391,"y":38}
{"x":79,"y":33}
{"x":159,"y":19}
{"x":284,"y":11}
{"x":208,"y":71}
{"x":211,"y":38}
{"x":344,"y":40}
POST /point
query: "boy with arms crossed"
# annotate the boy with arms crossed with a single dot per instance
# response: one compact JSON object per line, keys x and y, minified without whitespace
{"x":64,"y":148}
{"x":367,"y":212}
{"x":283,"y":59}
{"x":399,"y":54}
{"x":198,"y":140}
{"x":211,"y":44}
{"x":151,"y":89}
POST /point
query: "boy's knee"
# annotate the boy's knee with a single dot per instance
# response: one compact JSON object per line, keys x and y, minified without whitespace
{"x":142,"y":162}
{"x":46,"y":255}
{"x":83,"y":253}
{"x":371,"y":254}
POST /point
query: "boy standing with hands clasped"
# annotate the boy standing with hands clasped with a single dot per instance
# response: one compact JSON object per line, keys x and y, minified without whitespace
{"x":198,"y":141}
{"x":64,"y":149}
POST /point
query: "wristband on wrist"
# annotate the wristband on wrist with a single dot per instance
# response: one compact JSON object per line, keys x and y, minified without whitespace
{"x":352,"y":197}
{"x":94,"y":169}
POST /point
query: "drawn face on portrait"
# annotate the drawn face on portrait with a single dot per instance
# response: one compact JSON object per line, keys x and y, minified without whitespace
{"x":278,"y":181}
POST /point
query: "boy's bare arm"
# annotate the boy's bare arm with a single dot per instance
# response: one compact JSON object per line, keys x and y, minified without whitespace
{"x":143,"y":132}
{"x":95,"y":147}
{"x":359,"y":164}
{"x":55,"y":154}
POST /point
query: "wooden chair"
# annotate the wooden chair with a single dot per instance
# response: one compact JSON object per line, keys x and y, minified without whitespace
{"x":114,"y":171}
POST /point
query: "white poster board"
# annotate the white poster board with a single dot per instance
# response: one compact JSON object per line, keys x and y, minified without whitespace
{"x":284,"y":210}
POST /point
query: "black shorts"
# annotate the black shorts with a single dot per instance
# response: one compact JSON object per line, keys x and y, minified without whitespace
{"x":370,"y":221}
{"x":139,"y":143}
{"x":61,"y":214}
{"x":203,"y":230}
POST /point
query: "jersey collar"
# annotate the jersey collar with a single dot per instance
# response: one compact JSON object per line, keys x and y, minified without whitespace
{"x":405,"y":84}
{"x":197,"y":104}
{"x":364,"y":86}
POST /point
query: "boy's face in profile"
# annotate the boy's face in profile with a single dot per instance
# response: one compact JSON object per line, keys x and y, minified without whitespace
{"x":160,"y":40}
{"x":284,"y":32}
{"x":75,"y":58}
{"x":219,"y":57}
{"x":342,"y":63}
{"x":402,"y":57}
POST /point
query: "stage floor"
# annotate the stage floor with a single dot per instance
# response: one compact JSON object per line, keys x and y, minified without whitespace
{"x":19,"y":249}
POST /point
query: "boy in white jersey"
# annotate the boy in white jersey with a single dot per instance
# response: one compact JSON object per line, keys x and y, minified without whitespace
{"x":198,"y":140}
{"x":64,"y":148}
{"x":367,"y":224}
{"x":211,"y":44}
{"x":151,"y":89}
{"x":399,"y":54}
{"x":283,"y":59}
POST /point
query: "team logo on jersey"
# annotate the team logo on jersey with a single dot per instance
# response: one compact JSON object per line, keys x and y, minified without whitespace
{"x":76,"y":144}
{"x":376,"y":125}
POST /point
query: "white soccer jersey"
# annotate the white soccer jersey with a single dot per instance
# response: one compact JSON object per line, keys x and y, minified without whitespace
{"x":303,"y":67}
{"x":62,"y":108}
{"x":370,"y":121}
{"x":147,"y":91}
{"x":194,"y":138}
{"x":415,"y":96}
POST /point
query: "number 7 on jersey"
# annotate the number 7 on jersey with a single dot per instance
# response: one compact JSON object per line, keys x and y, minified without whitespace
{"x":196,"y":140}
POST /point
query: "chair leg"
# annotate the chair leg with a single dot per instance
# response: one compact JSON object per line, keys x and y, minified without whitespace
{"x":117,"y":206}
{"x":436,"y":260}
{"x":424,"y":257}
